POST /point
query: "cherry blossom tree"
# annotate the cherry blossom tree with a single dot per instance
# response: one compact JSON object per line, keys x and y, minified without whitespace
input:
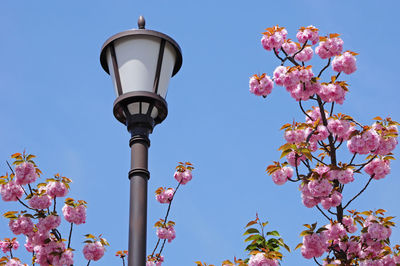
{"x":312,"y":156}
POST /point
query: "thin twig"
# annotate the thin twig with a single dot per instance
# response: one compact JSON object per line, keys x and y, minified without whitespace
{"x":318,"y":160}
{"x":9,"y":166}
{"x":327,"y":217}
{"x":341,"y":142}
{"x":364,"y":164}
{"x":359,"y":193}
{"x":299,"y":51}
{"x":317,"y":261}
{"x":322,"y":70}
{"x":54,"y":209}
{"x":301,"y":107}
{"x":352,"y":159}
{"x":88,"y":263}
{"x":332,"y":106}
{"x":26,"y":206}
{"x":331,"y":212}
{"x":280,"y":58}
{"x":162,"y":247}
{"x":70,"y":234}
{"x":166,"y":215}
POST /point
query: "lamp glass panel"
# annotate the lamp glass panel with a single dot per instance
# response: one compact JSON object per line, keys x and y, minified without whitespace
{"x":168,"y":64}
{"x":137,"y":62}
{"x":134,"y":108}
{"x":111,"y":69}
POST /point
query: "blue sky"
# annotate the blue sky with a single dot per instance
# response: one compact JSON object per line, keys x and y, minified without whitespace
{"x":57,"y":104}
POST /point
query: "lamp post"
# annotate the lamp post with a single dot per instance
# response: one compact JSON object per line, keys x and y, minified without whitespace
{"x":140,"y":63}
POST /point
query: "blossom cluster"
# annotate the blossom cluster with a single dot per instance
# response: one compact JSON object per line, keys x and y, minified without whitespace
{"x":370,"y":248}
{"x":39,"y":224}
{"x":299,"y":80}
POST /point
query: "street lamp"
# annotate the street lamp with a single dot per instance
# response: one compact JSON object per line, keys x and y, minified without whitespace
{"x":140,"y":63}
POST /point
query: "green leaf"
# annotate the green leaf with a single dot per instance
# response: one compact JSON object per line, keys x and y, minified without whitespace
{"x":273,"y":233}
{"x":251,"y":231}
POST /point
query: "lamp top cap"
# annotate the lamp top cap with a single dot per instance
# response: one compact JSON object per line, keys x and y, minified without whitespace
{"x":141,"y":22}
{"x":141,"y":31}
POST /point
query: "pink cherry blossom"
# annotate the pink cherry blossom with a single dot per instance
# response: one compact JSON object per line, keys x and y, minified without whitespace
{"x":378,"y":167}
{"x":386,"y":145}
{"x":273,"y":38}
{"x":305,"y":55}
{"x":349,"y":224}
{"x":295,"y":159}
{"x":166,"y":233}
{"x":279,"y":74}
{"x":320,"y":134}
{"x":40,"y":202}
{"x":25,"y":173}
{"x":261,"y":85}
{"x":48,"y":223}
{"x":53,"y":253}
{"x":332,"y":92}
{"x":295,"y":136}
{"x":22,"y":225}
{"x":320,"y":188}
{"x":378,"y":231}
{"x":343,"y":176}
{"x":332,"y":201}
{"x":314,"y":245}
{"x":339,"y":128}
{"x":364,"y":143}
{"x":93,"y":251}
{"x":7,"y":244}
{"x":156,"y":262}
{"x":260,"y":259}
{"x":335,"y":231}
{"x":76,"y":215}
{"x":36,"y":239}
{"x":56,"y":189}
{"x":330,"y":47}
{"x":315,"y":114}
{"x":289,"y":47}
{"x":308,"y":200}
{"x":303,"y":91}
{"x":345,"y":62}
{"x":183,"y":177}
{"x":11,"y":191}
{"x":165,"y":196}
{"x":14,"y":262}
{"x":309,"y":33}
{"x":281,"y":176}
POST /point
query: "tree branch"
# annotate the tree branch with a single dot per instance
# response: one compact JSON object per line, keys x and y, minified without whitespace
{"x":322,"y":70}
{"x":70,"y":234}
{"x":326,"y":216}
{"x":359,"y":193}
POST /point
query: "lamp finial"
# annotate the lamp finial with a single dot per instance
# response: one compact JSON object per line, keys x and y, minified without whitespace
{"x":141,"y":22}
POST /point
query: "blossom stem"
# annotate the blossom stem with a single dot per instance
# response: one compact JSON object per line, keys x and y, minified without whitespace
{"x":352,"y":159}
{"x":327,"y":217}
{"x":359,"y":193}
{"x":317,"y":261}
{"x":304,"y":112}
{"x":11,"y":255}
{"x":325,"y":67}
{"x":165,"y":219}
{"x":26,"y":206}
{"x":162,"y":247}
{"x":123,"y":261}
{"x":332,"y":106}
{"x":70,"y":235}
{"x":88,"y":263}
{"x":364,"y":164}
{"x":54,"y":209}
